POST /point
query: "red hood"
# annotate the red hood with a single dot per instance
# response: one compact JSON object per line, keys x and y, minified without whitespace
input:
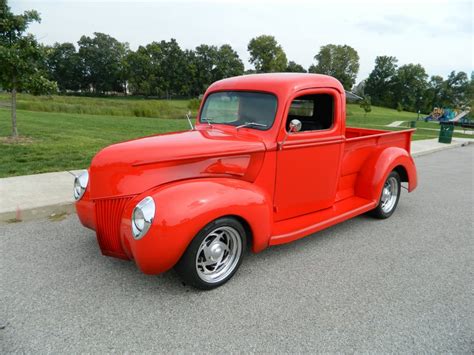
{"x":135,"y":166}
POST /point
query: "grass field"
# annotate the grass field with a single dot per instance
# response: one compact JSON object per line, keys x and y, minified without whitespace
{"x":380,"y":117}
{"x":107,"y":106}
{"x":60,"y":141}
{"x":55,"y":141}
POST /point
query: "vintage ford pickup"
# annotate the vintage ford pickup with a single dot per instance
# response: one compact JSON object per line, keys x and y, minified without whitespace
{"x":269,"y":160}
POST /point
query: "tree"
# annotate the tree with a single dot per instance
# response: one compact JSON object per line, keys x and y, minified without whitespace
{"x":266,"y":54}
{"x":170,"y":67}
{"x":213,"y":64}
{"x":20,"y":57}
{"x":452,"y":92}
{"x":341,"y":62}
{"x":470,"y":94}
{"x":435,"y":93}
{"x":457,"y":88}
{"x":204,"y":60}
{"x":366,"y":105}
{"x":164,"y":69}
{"x":102,"y":60}
{"x":190,"y":87}
{"x":380,"y":81}
{"x":292,"y":67}
{"x":64,"y":66}
{"x":141,"y":73}
{"x":227,"y":63}
{"x":409,"y":87}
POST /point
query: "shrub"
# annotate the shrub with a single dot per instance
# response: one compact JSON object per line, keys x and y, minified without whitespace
{"x":194,"y":104}
{"x":103,"y":106}
{"x":366,"y":105}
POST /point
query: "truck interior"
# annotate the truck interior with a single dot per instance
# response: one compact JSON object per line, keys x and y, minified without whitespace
{"x":315,"y":112}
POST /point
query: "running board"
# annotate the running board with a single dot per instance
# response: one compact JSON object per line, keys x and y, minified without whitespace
{"x":295,"y":228}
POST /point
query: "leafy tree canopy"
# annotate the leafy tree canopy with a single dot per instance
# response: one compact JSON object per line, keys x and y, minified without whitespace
{"x":409,"y":87}
{"x":267,"y":55}
{"x":64,"y":65}
{"x":293,"y":67}
{"x":341,"y":62}
{"x":20,"y":57}
{"x":102,"y":60}
{"x":380,"y":80}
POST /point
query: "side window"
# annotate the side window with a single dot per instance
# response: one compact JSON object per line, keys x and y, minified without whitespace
{"x":315,"y":112}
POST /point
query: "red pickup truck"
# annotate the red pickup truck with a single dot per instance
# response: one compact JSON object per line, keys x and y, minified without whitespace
{"x":269,"y":160}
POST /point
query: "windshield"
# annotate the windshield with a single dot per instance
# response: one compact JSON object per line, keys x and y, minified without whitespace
{"x":240,"y":108}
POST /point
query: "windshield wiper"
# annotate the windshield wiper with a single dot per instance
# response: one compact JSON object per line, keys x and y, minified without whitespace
{"x":208,"y":120}
{"x":248,"y":124}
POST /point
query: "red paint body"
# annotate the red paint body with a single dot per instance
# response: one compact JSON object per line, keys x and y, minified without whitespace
{"x":280,"y":189}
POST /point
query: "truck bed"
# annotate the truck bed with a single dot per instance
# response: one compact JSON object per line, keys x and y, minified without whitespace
{"x":354,"y":134}
{"x":359,"y":145}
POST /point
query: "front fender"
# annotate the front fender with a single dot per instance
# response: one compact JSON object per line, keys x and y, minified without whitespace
{"x":375,"y":170}
{"x":183,"y":208}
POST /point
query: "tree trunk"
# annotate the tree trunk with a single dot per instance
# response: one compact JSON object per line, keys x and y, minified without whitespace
{"x":14,"y":129}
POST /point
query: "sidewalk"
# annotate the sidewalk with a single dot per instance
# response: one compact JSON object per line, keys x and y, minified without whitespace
{"x":428,"y":146}
{"x":51,"y":194}
{"x":41,"y":195}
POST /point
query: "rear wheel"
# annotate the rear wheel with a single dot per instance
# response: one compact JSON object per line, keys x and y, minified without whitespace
{"x":389,"y":198}
{"x":214,"y":255}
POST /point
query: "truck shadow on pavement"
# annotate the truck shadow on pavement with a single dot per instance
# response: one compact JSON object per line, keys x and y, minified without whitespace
{"x":113,"y":269}
{"x":311,"y":251}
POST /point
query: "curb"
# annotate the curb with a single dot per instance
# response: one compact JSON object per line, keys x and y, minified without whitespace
{"x":58,"y":211}
{"x":437,"y":149}
{"x":53,"y":212}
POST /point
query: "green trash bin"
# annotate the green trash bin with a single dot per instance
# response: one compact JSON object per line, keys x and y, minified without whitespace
{"x":412,"y":124}
{"x":446,"y":132}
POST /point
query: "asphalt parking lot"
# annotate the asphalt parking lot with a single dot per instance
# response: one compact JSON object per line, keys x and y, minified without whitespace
{"x":400,"y":285}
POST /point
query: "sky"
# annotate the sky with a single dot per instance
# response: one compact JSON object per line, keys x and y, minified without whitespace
{"x":435,"y":34}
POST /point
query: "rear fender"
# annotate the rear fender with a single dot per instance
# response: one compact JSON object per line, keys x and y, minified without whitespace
{"x":376,"y":169}
{"x":183,"y":208}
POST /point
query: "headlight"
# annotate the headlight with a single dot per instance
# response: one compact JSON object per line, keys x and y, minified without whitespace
{"x":142,"y":217}
{"x":80,"y":184}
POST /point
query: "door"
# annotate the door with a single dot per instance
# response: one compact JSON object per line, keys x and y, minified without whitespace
{"x":308,"y":161}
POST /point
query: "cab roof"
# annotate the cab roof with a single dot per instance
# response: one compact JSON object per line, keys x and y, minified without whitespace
{"x":278,"y":83}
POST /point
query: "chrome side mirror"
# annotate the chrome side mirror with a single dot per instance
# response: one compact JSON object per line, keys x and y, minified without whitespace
{"x":295,"y":126}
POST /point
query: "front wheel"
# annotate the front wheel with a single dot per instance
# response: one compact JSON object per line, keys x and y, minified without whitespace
{"x":389,"y":198}
{"x":214,"y":255}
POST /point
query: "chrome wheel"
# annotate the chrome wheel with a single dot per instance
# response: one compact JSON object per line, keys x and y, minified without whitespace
{"x":389,"y":195}
{"x":218,"y":254}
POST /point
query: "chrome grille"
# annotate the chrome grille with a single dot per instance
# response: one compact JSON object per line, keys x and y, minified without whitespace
{"x":108,"y":214}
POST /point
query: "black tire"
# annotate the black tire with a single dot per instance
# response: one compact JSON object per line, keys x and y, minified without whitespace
{"x":381,"y":213}
{"x":187,"y":267}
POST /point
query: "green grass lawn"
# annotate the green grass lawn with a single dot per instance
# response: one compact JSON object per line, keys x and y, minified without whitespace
{"x":55,"y":141}
{"x":108,"y":106}
{"x":380,"y":117}
{"x":62,"y":141}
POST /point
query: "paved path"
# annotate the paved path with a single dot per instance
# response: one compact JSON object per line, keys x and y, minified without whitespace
{"x":37,"y":196}
{"x":428,"y":146}
{"x":457,"y":130}
{"x":23,"y":197}
{"x":395,"y":124}
{"x":398,"y":285}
